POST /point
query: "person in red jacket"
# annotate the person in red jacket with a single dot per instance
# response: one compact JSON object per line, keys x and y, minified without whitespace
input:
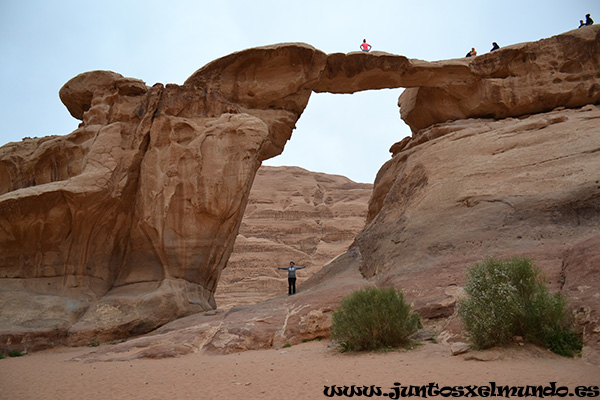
{"x":365,"y":46}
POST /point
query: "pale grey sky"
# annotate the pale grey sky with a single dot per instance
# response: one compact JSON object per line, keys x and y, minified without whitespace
{"x":45,"y":43}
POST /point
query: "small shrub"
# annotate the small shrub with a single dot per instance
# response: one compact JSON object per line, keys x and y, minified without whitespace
{"x":373,"y":319}
{"x":507,"y":298}
{"x":15,"y":353}
{"x":318,"y":339}
{"x":2,"y":356}
{"x":287,"y":345}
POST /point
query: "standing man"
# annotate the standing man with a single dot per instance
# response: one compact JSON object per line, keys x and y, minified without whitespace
{"x":291,"y":277}
{"x":365,"y":46}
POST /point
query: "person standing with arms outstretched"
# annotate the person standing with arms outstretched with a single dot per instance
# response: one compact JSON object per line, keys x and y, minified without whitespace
{"x":365,"y":46}
{"x":291,"y":277}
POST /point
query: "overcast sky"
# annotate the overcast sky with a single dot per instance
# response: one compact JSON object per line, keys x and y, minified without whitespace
{"x":45,"y":43}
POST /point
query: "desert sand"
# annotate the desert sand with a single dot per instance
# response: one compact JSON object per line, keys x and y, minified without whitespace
{"x":298,"y":372}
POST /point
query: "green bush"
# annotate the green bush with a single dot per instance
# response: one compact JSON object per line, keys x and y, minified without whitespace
{"x":373,"y":319}
{"x":507,"y":298}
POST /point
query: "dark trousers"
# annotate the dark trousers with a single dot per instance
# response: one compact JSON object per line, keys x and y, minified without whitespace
{"x":291,"y":286}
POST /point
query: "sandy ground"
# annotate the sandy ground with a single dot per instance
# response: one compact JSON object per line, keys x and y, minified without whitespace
{"x":297,"y":372}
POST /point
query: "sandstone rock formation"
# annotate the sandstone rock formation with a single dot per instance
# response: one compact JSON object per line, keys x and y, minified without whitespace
{"x":491,"y":188}
{"x":524,"y":187}
{"x":292,"y":214}
{"x":127,"y":222}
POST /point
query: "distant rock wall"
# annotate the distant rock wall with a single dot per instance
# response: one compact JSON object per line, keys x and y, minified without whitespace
{"x":292,"y":215}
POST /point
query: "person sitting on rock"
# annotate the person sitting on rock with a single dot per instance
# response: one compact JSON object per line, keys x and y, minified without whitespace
{"x":494,"y":46}
{"x":581,"y":23}
{"x":365,"y":46}
{"x":588,"y":20}
{"x":291,"y":277}
{"x":472,"y":53}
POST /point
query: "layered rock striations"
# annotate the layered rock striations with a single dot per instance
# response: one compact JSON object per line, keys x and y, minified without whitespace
{"x":292,"y":215}
{"x":128,"y":222}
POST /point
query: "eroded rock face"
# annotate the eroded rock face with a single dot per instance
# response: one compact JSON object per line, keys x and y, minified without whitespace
{"x":526,"y":187}
{"x":135,"y":223}
{"x":495,"y":187}
{"x":128,"y":222}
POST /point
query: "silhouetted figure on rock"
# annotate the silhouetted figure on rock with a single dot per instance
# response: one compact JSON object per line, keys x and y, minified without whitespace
{"x":588,"y":20}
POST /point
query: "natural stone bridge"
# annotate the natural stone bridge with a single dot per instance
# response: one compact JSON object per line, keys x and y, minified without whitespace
{"x":127,"y":222}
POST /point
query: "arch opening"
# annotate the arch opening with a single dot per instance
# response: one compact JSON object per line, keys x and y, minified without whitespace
{"x":289,"y":215}
{"x":345,"y":134}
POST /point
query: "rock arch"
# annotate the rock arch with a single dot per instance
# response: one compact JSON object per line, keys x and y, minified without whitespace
{"x":134,"y":228}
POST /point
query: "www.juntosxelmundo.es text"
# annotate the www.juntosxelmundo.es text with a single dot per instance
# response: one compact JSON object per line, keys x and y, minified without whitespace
{"x":433,"y":389}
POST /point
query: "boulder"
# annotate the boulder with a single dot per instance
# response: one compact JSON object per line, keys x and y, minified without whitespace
{"x":458,"y":348}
